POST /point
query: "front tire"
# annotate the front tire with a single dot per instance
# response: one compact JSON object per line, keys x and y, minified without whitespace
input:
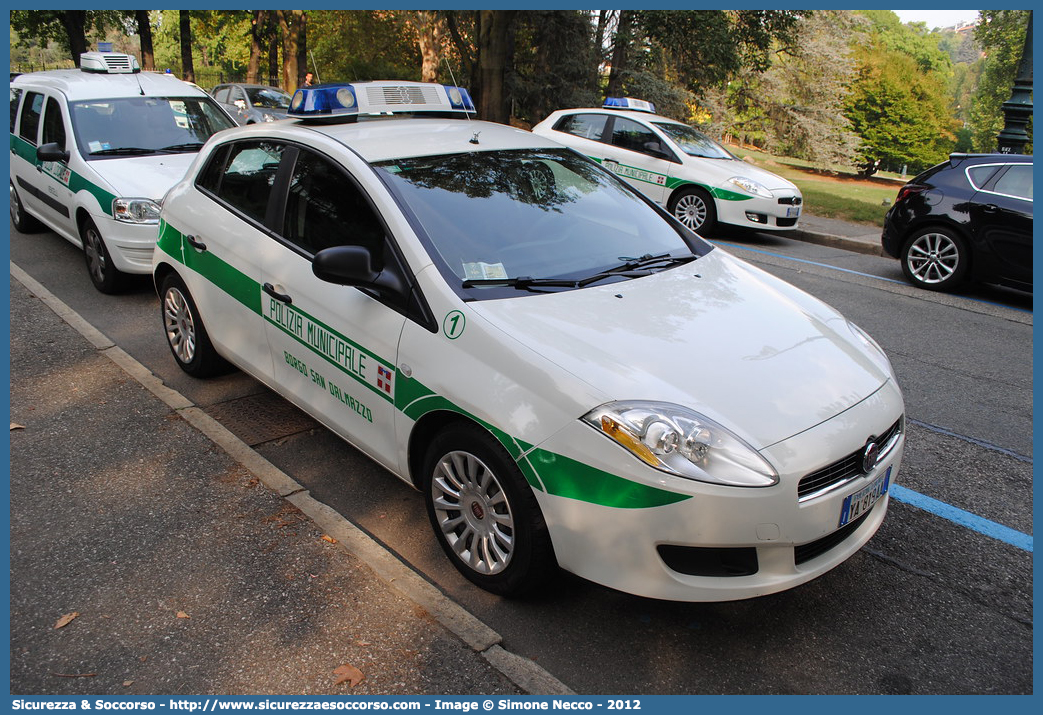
{"x":694,"y":208}
{"x":186,"y":336}
{"x":935,"y":259}
{"x":102,"y":272}
{"x":484,"y":514}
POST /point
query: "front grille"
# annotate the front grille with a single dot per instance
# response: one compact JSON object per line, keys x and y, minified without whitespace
{"x":785,"y":221}
{"x":807,"y":552}
{"x":846,"y":469}
{"x":791,"y":200}
{"x":709,"y":561}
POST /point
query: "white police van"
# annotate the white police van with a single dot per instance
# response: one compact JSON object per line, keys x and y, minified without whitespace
{"x":699,"y":181}
{"x":94,"y":149}
{"x":569,"y":376}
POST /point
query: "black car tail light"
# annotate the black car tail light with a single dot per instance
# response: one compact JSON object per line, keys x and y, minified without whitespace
{"x":909,"y":190}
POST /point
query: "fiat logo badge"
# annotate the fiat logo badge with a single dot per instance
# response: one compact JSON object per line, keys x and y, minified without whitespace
{"x":870,"y":456}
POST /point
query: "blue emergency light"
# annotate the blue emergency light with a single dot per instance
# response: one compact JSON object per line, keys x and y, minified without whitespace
{"x":350,"y":102}
{"x":638,"y":105}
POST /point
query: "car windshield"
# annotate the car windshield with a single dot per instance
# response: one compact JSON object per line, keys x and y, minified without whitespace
{"x":130,"y":126}
{"x":268,"y":97}
{"x":538,"y":215}
{"x":694,"y":143}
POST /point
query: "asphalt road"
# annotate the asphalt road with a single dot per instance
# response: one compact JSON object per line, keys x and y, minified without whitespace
{"x":929,"y":606}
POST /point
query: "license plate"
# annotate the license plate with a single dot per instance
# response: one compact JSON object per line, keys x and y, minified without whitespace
{"x":793,"y":212}
{"x":861,"y":501}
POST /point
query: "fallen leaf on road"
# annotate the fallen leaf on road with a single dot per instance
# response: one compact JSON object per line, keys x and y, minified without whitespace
{"x":66,"y":619}
{"x":349,"y":674}
{"x":15,"y":425}
{"x":327,"y":537}
{"x":182,"y":614}
{"x":128,"y":683}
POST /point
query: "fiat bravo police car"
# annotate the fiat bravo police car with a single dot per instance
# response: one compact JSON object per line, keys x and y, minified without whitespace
{"x":94,"y":149}
{"x":699,"y":181}
{"x":570,"y":377}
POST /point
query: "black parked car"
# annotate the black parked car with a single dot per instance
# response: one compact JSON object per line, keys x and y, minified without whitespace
{"x":969,"y":218}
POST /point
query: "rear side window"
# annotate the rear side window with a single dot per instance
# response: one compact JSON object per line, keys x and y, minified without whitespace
{"x":16,"y":94}
{"x":1016,"y":182}
{"x":32,"y":108}
{"x":980,"y":175}
{"x":585,"y":126}
{"x":221,"y":94}
{"x":249,"y":173}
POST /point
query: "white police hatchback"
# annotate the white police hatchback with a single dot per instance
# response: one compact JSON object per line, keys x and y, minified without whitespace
{"x":569,"y":376}
{"x":94,"y":149}
{"x":699,"y":181}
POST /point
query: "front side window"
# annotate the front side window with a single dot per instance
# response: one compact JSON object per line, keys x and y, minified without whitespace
{"x":53,"y":124}
{"x":694,"y":143}
{"x":325,"y":208}
{"x":533,"y":213}
{"x":32,"y":108}
{"x":246,"y":182}
{"x":268,"y":97}
{"x":16,"y":94}
{"x":628,"y":134}
{"x":136,"y":126}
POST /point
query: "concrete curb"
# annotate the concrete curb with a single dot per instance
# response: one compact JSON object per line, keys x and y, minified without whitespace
{"x":524,"y":673}
{"x":856,"y":245}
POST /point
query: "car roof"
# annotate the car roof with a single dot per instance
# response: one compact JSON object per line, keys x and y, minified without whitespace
{"x":646,"y":116}
{"x":79,"y":85}
{"x":398,"y":138}
{"x":991,"y":158}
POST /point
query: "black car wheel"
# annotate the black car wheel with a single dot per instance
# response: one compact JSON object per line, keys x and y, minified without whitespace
{"x":936,"y":259}
{"x":694,"y":208}
{"x":21,"y":220}
{"x":186,"y":336}
{"x":484,"y":513}
{"x":104,"y":275}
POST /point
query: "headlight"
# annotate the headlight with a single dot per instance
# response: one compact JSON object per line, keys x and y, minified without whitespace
{"x":135,"y":210}
{"x":750,"y":186}
{"x":680,"y":441}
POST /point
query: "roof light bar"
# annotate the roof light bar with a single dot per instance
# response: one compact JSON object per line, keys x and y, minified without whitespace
{"x":347,"y":102}
{"x":109,"y":63}
{"x":638,"y":105}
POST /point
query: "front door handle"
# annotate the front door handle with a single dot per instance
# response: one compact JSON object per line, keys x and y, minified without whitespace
{"x":281,"y":297}
{"x":195,"y":243}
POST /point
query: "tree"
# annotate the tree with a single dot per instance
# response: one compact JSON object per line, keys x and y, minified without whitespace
{"x":1001,"y":34}
{"x":67,"y":27}
{"x":188,"y":72}
{"x":290,"y":22}
{"x":144,"y":26}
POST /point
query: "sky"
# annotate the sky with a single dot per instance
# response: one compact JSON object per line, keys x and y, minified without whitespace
{"x":937,"y":18}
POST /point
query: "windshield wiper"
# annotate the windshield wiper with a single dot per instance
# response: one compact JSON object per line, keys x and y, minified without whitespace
{"x":630,"y":268}
{"x":125,"y":151}
{"x":647,"y":261}
{"x":520,"y":282}
{"x":189,"y":146}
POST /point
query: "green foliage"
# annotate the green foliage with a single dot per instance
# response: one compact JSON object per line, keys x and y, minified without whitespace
{"x":362,"y":45}
{"x":1001,"y":34}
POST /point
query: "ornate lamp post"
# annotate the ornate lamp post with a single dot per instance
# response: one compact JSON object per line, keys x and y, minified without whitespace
{"x":1017,"y":110}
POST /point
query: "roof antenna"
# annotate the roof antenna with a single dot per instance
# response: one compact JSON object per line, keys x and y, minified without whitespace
{"x":138,"y":80}
{"x":474,"y":139}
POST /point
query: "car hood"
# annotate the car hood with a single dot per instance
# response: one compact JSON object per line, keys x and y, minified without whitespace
{"x":146,"y":177}
{"x":717,"y":335}
{"x":718,"y":171}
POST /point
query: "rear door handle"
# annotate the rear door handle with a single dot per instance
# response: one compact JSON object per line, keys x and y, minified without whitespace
{"x":195,"y":243}
{"x":990,"y":208}
{"x":281,"y":297}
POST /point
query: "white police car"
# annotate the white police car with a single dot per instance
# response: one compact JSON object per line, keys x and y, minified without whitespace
{"x":698,"y":180}
{"x":94,"y":149}
{"x":568,"y":375}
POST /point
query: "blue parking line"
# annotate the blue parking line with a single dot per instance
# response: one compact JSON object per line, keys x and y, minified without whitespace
{"x":963,"y":518}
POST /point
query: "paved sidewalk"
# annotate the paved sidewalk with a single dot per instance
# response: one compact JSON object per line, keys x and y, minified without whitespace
{"x":179,"y":570}
{"x":839,"y":234}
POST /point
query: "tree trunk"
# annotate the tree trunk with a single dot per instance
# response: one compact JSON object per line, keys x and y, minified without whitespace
{"x":257,"y":25}
{"x":493,"y":49}
{"x":273,"y":62}
{"x":620,"y":52}
{"x":302,"y":47}
{"x":148,"y":59}
{"x":75,"y":22}
{"x":429,"y":37}
{"x":188,"y":70}
{"x":289,"y":28}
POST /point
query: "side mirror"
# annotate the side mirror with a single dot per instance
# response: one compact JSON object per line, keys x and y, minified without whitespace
{"x":51,"y":152}
{"x":353,"y":266}
{"x":656,"y":150}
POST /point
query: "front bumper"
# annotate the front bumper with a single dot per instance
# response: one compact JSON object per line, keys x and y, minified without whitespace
{"x":779,"y":213}
{"x":643,"y":550}
{"x":130,"y":244}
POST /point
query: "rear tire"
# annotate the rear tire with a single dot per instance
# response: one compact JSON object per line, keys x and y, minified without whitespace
{"x":935,"y":259}
{"x":484,"y":513}
{"x":186,"y":336}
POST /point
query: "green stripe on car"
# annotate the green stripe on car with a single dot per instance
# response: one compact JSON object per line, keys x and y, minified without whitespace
{"x":77,"y":182}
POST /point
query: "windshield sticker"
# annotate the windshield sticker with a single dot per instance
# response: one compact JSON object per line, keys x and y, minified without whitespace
{"x":484,"y":271}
